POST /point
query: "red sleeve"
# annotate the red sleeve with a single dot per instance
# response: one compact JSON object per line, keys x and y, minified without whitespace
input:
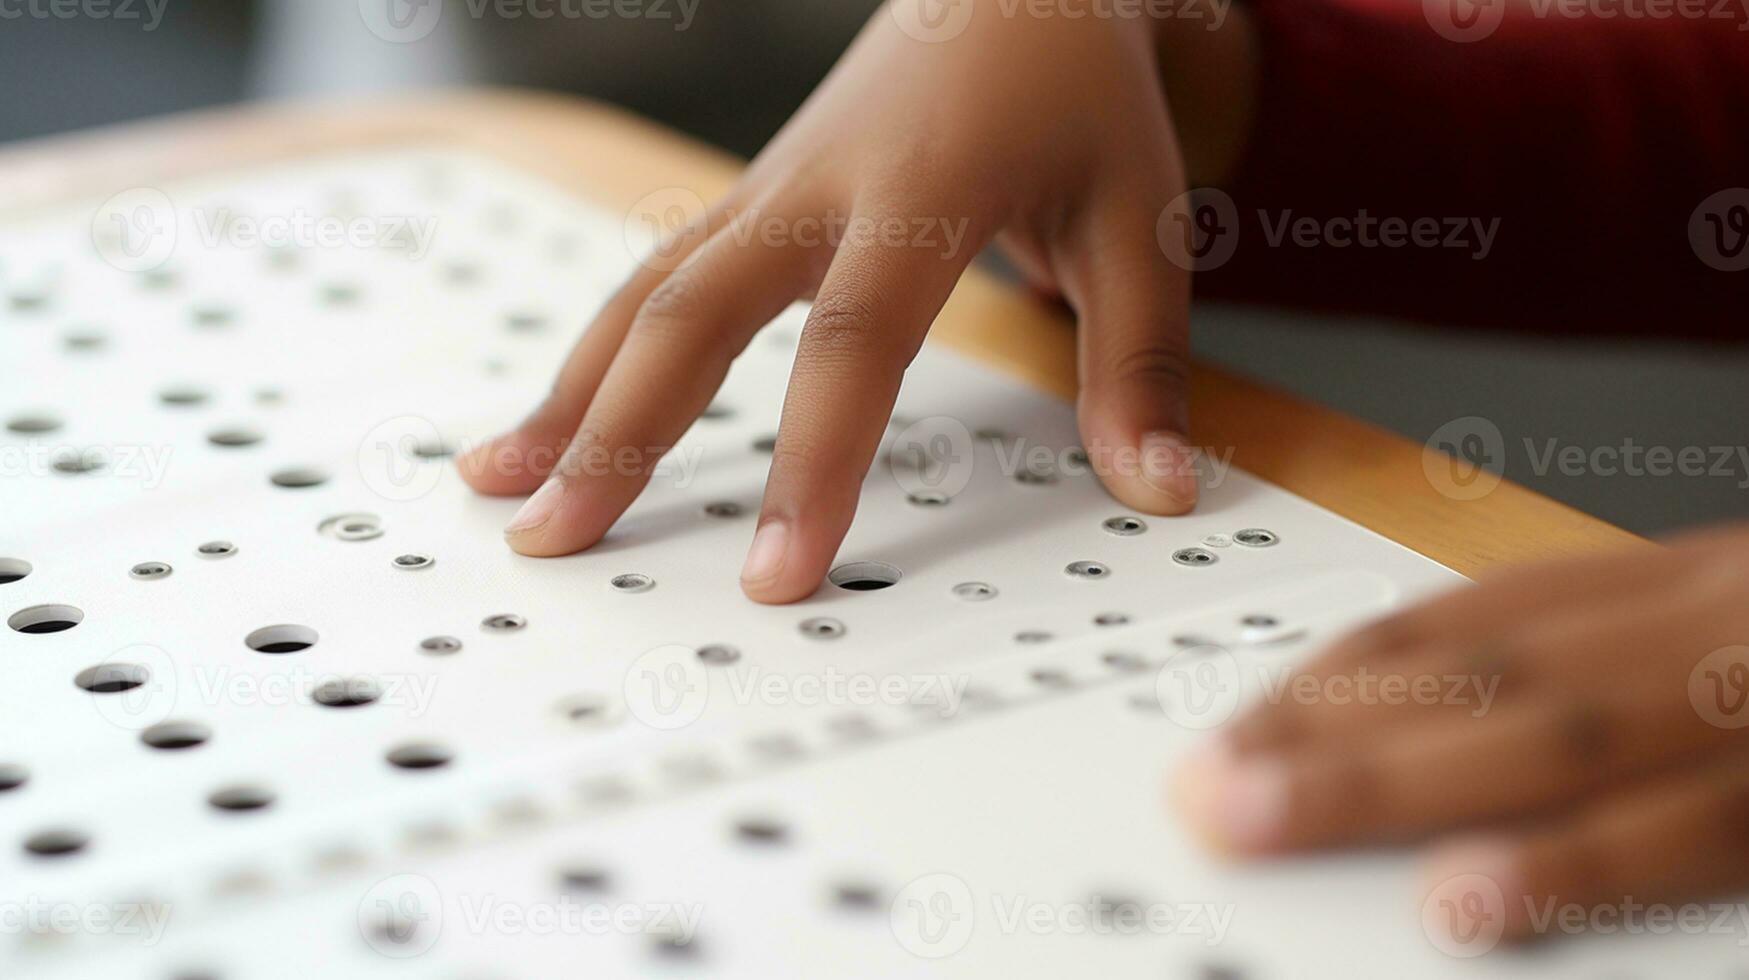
{"x":1604,"y":152}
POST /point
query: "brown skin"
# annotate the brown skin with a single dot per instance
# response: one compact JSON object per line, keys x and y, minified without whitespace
{"x":1048,"y":136}
{"x":1061,"y":141}
{"x":1611,"y":765}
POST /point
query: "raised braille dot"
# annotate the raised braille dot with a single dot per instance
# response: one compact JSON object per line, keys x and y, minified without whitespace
{"x":822,"y":628}
{"x":975,"y":591}
{"x":724,"y":508}
{"x":1194,"y":557}
{"x":175,"y":736}
{"x":348,"y":692}
{"x":632,"y":582}
{"x":1124,"y":660}
{"x":503,"y":622}
{"x":12,"y":776}
{"x":414,"y":562}
{"x":241,"y":799}
{"x":762,"y":830}
{"x":34,"y":424}
{"x":216,"y":549}
{"x":718,"y":653}
{"x":440,"y":646}
{"x":419,"y":755}
{"x":234,"y":438}
{"x":1255,"y":537}
{"x":1111,"y":619}
{"x":13,"y":570}
{"x":299,"y":478}
{"x":148,"y":570}
{"x":56,"y":843}
{"x":1087,"y":569}
{"x":78,"y":462}
{"x":1125,"y":526}
{"x":183,"y":396}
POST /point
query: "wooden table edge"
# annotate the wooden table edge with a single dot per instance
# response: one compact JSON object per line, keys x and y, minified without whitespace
{"x":1373,"y":477}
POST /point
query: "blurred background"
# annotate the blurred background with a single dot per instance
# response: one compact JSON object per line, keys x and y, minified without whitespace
{"x":731,"y":71}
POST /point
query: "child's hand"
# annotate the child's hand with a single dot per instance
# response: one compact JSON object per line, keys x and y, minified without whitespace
{"x":1605,"y":699}
{"x":1051,"y":133}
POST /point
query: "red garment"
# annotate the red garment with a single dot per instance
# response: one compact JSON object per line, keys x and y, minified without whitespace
{"x":1593,"y":141}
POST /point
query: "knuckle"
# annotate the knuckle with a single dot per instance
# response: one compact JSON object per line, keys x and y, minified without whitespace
{"x":676,"y":306}
{"x":1157,"y":363}
{"x":839,"y":325}
{"x":1585,"y":733}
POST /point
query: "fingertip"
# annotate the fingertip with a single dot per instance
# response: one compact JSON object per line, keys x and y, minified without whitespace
{"x":775,"y":572}
{"x":1237,"y":806}
{"x":1473,"y":889}
{"x":557,"y":520}
{"x":506,"y":466}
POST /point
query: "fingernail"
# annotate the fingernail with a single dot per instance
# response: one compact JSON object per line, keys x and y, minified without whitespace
{"x":537,"y":510}
{"x":1169,"y":466}
{"x":1474,"y":883}
{"x":765,"y":558}
{"x":1237,"y":805}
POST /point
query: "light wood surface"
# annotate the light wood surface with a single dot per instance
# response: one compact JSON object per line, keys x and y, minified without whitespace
{"x":1358,"y":470}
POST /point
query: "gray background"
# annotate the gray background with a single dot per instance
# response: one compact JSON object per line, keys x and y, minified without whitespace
{"x":738,"y":71}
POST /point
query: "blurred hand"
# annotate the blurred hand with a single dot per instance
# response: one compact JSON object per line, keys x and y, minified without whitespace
{"x":1050,"y":134}
{"x":1610,"y":763}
